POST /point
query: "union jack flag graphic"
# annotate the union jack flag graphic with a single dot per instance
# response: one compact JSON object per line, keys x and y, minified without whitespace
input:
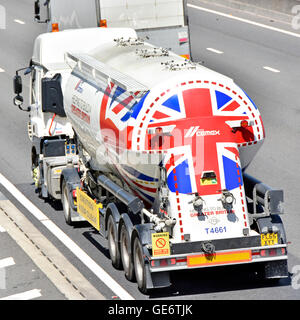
{"x":119,"y":104}
{"x":209,"y":119}
{"x":212,"y":119}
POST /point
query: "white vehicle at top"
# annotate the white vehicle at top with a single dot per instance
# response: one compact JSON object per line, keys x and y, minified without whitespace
{"x":162,"y":22}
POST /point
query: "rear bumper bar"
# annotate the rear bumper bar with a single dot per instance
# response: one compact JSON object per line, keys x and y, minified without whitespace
{"x":219,"y":258}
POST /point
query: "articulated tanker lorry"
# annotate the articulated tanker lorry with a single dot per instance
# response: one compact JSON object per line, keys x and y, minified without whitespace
{"x":151,"y":149}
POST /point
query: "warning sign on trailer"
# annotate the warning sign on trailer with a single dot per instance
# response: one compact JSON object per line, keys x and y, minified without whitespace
{"x":160,"y":244}
{"x":88,"y":209}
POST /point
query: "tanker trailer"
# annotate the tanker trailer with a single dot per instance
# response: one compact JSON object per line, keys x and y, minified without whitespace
{"x":156,"y":158}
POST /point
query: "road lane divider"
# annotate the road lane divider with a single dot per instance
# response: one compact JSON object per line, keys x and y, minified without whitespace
{"x":100,"y":273}
{"x":19,"y":21}
{"x":215,"y":50}
{"x":271,"y":69}
{"x":27,"y":295}
{"x":7,"y":262}
{"x":230,"y":16}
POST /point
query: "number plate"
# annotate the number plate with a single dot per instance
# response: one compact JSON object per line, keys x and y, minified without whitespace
{"x":208,"y":181}
{"x":269,"y":239}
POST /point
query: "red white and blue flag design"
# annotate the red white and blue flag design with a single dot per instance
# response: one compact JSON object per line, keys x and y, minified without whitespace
{"x":205,"y":115}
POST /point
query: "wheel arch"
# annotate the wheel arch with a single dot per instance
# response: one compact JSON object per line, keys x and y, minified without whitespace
{"x":112,"y":210}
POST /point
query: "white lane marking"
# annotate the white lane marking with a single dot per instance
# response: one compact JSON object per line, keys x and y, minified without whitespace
{"x":19,"y":21}
{"x":271,"y":69}
{"x":68,"y":242}
{"x":27,"y":295}
{"x":245,"y":20}
{"x":46,"y":256}
{"x":2,"y":229}
{"x":2,"y":70}
{"x":7,"y":262}
{"x":215,"y":50}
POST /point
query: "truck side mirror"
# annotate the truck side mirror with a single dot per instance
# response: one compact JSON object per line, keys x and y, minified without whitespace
{"x":18,"y":100}
{"x":37,"y":10}
{"x":18,"y":84}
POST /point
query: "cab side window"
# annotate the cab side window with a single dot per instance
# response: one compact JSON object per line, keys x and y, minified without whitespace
{"x":33,"y":97}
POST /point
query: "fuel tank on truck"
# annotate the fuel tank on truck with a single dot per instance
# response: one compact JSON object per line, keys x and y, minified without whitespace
{"x":177,"y":134}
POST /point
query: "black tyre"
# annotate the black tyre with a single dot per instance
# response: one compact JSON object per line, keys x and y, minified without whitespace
{"x":126,"y":255}
{"x":66,"y":203}
{"x":139,"y":266}
{"x":113,"y":245}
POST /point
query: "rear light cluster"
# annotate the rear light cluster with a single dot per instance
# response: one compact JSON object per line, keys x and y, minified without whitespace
{"x":168,"y":262}
{"x":272,"y":252}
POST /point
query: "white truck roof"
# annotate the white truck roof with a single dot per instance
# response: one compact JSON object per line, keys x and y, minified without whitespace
{"x":50,"y":48}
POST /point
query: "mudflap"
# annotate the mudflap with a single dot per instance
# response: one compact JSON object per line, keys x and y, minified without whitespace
{"x":276,"y":269}
{"x":156,"y":280}
{"x":71,"y":176}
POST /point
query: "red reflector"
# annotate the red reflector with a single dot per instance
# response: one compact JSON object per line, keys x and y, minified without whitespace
{"x":173,"y":261}
{"x":282,"y":251}
{"x":55,"y":27}
{"x":244,"y":123}
{"x":163,"y":263}
{"x":263,"y":253}
{"x":181,"y":260}
{"x":74,"y":193}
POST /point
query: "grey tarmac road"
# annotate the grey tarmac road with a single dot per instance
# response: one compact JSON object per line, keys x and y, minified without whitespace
{"x":276,"y":163}
{"x":19,"y":275}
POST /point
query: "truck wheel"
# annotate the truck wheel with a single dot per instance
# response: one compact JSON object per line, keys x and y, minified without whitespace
{"x":125,"y":254}
{"x":113,"y":246}
{"x":139,"y":265}
{"x":66,"y":203}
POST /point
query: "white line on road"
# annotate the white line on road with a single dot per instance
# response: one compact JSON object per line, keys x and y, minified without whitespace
{"x":215,"y":50}
{"x":2,"y":229}
{"x":245,"y":20}
{"x":27,"y":295}
{"x":2,"y":70}
{"x":271,"y":69}
{"x":68,"y":242}
{"x":7,"y":262}
{"x":19,"y":21}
